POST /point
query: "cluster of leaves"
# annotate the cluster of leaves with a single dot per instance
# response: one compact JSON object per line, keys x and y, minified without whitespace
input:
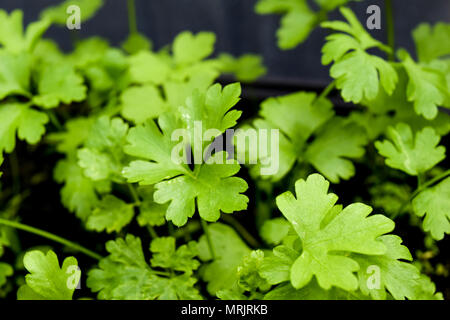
{"x":120,"y":167}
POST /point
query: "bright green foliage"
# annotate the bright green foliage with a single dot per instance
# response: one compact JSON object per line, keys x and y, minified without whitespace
{"x":142,"y":103}
{"x":326,"y":228}
{"x":401,"y":279}
{"x":59,"y":83}
{"x":125,"y":274}
{"x":165,"y":256}
{"x":79,"y":192}
{"x":12,"y":37}
{"x":275,"y":230}
{"x":229,"y":251}
{"x":46,"y":279}
{"x":298,"y":20}
{"x":14,"y":74}
{"x":338,"y":142}
{"x":413,"y":155}
{"x":102,"y":158}
{"x":205,"y":183}
{"x":58,"y":14}
{"x":141,"y":131}
{"x":434,"y":204}
{"x":246,"y":68}
{"x":188,"y":49}
{"x":111,"y":214}
{"x":357,"y":73}
{"x":299,"y":116}
{"x":150,"y":212}
{"x":27,"y":122}
{"x":427,"y":88}
{"x":432,"y":42}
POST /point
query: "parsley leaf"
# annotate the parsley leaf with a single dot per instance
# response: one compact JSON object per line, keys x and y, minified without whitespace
{"x":347,"y":229}
{"x":111,"y":214}
{"x":357,"y":73}
{"x":434,"y":204}
{"x":229,"y":251}
{"x":427,"y":88}
{"x":125,"y":275}
{"x":409,"y":154}
{"x":47,"y":280}
{"x":26,"y":121}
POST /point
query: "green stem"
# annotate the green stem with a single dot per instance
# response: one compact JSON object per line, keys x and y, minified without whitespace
{"x":390,"y":29}
{"x":152,"y":232}
{"x":50,"y":236}
{"x":134,"y":194}
{"x":132,"y":22}
{"x":422,"y":186}
{"x":54,"y":120}
{"x":327,"y":90}
{"x":208,"y":238}
{"x":241,"y":230}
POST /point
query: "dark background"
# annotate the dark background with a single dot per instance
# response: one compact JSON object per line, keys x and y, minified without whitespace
{"x":239,"y":29}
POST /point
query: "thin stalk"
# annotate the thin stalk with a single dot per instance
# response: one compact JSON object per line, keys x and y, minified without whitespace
{"x":152,"y":232}
{"x":390,"y":28}
{"x":50,"y":236}
{"x":208,"y":238}
{"x":54,"y":120}
{"x":134,"y":194}
{"x":132,"y":21}
{"x":327,"y":90}
{"x":422,"y":186}
{"x":241,"y":230}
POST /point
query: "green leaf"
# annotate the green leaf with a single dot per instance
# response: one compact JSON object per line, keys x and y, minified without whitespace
{"x":432,"y":42}
{"x":189,"y":48}
{"x":14,"y":74}
{"x":427,"y":87}
{"x":413,"y":155}
{"x":148,"y":68}
{"x":248,"y":272}
{"x":147,"y":142}
{"x":166,"y":256}
{"x":273,"y":231}
{"x":11,"y":34}
{"x":434,"y":204}
{"x":401,"y":279}
{"x":246,"y":68}
{"x":79,"y":192}
{"x":297,"y":23}
{"x":59,"y":83}
{"x":215,"y":189}
{"x":298,"y":116}
{"x":326,"y":230}
{"x":330,"y":152}
{"x":27,"y":122}
{"x":150,"y":213}
{"x":58,"y":14}
{"x":229,"y":252}
{"x":136,"y":42}
{"x":77,"y":132}
{"x":111,"y":215}
{"x":125,"y":275}
{"x":142,"y":103}
{"x":46,"y":279}
{"x":357,"y":73}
